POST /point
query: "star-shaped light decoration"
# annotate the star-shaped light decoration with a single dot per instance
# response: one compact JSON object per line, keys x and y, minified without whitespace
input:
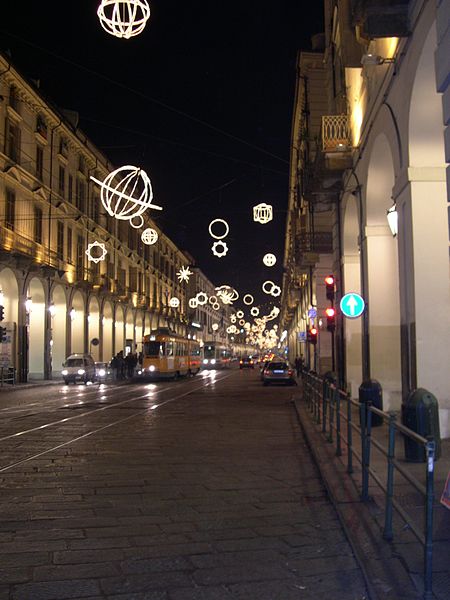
{"x":98,"y":256}
{"x":223,"y":249}
{"x":184,"y":273}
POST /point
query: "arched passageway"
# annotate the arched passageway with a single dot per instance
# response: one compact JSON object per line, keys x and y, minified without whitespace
{"x":58,"y":316}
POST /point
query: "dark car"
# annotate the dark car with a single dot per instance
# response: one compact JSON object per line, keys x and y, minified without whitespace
{"x":278,"y":372}
{"x":246,"y":362}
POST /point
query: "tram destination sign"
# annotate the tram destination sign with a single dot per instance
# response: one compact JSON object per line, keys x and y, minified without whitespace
{"x":352,"y":305}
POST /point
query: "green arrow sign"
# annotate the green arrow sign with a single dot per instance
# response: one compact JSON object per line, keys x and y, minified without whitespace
{"x":352,"y":305}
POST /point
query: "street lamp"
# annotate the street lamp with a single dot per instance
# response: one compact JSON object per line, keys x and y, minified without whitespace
{"x":52,"y":310}
{"x":28,"y":304}
{"x":392,"y":217}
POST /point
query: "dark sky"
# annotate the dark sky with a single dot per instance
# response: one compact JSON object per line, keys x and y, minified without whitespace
{"x":202,"y":100}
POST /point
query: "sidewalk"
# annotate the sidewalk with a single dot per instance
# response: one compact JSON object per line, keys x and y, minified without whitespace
{"x":367,"y":519}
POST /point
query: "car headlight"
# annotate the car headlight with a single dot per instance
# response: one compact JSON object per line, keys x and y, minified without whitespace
{"x":64,"y":372}
{"x":205,"y":361}
{"x":102,"y":372}
{"x":151,"y":368}
{"x":81,"y":371}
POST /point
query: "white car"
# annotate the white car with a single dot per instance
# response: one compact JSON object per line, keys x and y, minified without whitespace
{"x":78,"y":367}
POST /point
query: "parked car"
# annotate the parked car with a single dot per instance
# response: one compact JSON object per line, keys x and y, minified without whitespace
{"x":78,"y":367}
{"x":278,"y":372}
{"x":246,"y":362}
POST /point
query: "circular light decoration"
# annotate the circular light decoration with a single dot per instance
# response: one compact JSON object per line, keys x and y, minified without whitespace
{"x":212,"y":299}
{"x":254,"y":311}
{"x":270,"y":288}
{"x":269,"y":260}
{"x":184,"y":273}
{"x":262,"y":213}
{"x":216,"y":306}
{"x":174,"y":302}
{"x":193,"y":303}
{"x":128,"y":197}
{"x":233,"y":318}
{"x":201,"y":298}
{"x":241,"y":322}
{"x":137,"y":221}
{"x":123,"y":18}
{"x":218,"y":237}
{"x":149,"y":236}
{"x":219,"y":253}
{"x":215,"y":326}
{"x":99,"y":254}
{"x":240,"y":314}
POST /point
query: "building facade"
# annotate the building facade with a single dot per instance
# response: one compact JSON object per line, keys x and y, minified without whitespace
{"x":383,"y":148}
{"x":57,"y":300}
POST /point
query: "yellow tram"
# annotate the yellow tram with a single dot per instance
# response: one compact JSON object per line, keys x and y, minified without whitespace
{"x":166,"y":354}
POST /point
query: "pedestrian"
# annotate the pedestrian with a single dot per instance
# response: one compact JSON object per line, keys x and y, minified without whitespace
{"x":115,"y":367}
{"x":298,"y":365}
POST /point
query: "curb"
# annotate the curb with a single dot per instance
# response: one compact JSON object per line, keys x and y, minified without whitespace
{"x":384,"y":573}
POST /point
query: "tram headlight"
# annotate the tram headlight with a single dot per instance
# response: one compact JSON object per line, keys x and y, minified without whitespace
{"x":64,"y":372}
{"x":81,"y":371}
{"x":151,"y":368}
{"x":102,"y":372}
{"x":213,"y":361}
{"x":205,"y":361}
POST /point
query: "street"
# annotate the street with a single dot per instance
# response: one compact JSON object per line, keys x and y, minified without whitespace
{"x":201,"y":488}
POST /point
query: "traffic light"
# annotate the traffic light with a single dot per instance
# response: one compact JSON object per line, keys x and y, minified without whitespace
{"x":2,"y":334}
{"x":330,"y":283}
{"x":2,"y":313}
{"x":312,"y":335}
{"x":331,"y":318}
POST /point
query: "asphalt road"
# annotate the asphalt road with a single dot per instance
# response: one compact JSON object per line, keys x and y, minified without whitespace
{"x":199,"y":489}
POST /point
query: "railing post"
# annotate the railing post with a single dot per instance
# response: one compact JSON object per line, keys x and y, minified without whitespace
{"x":387,"y":533}
{"x":330,"y":413}
{"x":324,"y":406}
{"x":349,"y":434}
{"x":428,"y":551}
{"x":366,"y":426}
{"x":338,"y":421}
{"x":317,"y":400}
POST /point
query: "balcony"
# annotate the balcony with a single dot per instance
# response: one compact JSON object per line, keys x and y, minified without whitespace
{"x":319,"y":242}
{"x":381,"y":18}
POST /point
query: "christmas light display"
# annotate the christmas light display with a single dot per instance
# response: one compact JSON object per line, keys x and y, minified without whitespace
{"x":215,"y":236}
{"x":248,"y":299}
{"x":262,"y":213}
{"x":149,"y":236}
{"x":219,"y":249}
{"x":174,"y":302}
{"x":184,"y":273}
{"x":99,"y":257}
{"x":269,"y":260}
{"x":123,"y":18}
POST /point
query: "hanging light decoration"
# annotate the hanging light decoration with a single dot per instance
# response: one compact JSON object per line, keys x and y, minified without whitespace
{"x":123,"y":18}
{"x":184,"y":273}
{"x":149,"y":236}
{"x":269,"y":260}
{"x":215,"y":236}
{"x":262,"y":213}
{"x":99,"y":254}
{"x":174,"y":302}
{"x":219,"y":249}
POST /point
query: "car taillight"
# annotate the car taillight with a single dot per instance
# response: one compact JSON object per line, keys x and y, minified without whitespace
{"x":240,"y":362}
{"x":290,"y":372}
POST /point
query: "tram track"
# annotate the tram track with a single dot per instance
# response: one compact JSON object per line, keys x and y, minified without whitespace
{"x":19,"y":435}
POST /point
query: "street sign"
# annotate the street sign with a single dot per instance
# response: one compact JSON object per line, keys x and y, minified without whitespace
{"x":352,"y":305}
{"x":312,"y":313}
{"x":301,"y":336}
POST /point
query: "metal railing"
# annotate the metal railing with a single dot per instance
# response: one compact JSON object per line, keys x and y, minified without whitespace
{"x":334,"y":411}
{"x":335,"y":133}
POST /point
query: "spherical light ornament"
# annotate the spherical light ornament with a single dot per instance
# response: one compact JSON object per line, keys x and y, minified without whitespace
{"x":218,"y":237}
{"x":262,"y":213}
{"x":269,"y":260}
{"x":219,"y":249}
{"x":174,"y":302}
{"x":248,"y":299}
{"x":149,"y":236}
{"x":126,"y":193}
{"x":123,"y":18}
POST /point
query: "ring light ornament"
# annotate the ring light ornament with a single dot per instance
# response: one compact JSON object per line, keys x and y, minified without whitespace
{"x":248,"y":299}
{"x":126,"y":193}
{"x":201,"y":298}
{"x":262,"y":213}
{"x":218,"y":237}
{"x":216,"y":306}
{"x":123,"y":18}
{"x":254,"y":311}
{"x":219,"y":253}
{"x":215,"y":326}
{"x":149,"y":236}
{"x":99,"y":256}
{"x":240,"y":314}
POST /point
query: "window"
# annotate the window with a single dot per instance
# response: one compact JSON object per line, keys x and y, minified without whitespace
{"x":96,"y":209}
{"x":81,"y":165}
{"x":60,"y":240}
{"x":61,"y":180}
{"x":14,"y":98}
{"x":63,"y":147}
{"x":80,"y":195}
{"x":69,"y":245}
{"x":12,"y":141}
{"x":41,"y":126}
{"x":38,"y":225}
{"x":133,"y":279}
{"x":39,"y":162}
{"x":80,"y":257}
{"x":110,"y":271}
{"x":70,"y":190}
{"x":10,"y":213}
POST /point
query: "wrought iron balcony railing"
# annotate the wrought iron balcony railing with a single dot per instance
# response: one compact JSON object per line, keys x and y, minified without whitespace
{"x":335,"y":133}
{"x":320,"y":242}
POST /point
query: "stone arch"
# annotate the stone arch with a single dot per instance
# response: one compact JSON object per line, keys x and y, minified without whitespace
{"x":36,"y":320}
{"x":129,"y":329}
{"x":93,"y":317}
{"x":381,"y":274}
{"x":10,"y":302}
{"x":119,"y":329}
{"x":139,"y":329}
{"x":107,"y":338}
{"x":77,"y":316}
{"x":58,"y":326}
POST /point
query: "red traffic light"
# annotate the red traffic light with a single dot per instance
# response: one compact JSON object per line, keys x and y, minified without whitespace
{"x":313,"y":331}
{"x":330,"y":312}
{"x":329,"y":280}
{"x":329,"y":285}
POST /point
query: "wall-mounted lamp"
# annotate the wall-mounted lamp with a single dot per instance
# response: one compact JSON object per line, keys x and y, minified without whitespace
{"x":52,"y":310}
{"x":371,"y":60}
{"x":28,"y":304}
{"x":392,"y":217}
{"x":72,"y":314}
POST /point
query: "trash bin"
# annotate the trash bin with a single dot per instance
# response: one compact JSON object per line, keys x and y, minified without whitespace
{"x":371,"y":391}
{"x":420,"y":413}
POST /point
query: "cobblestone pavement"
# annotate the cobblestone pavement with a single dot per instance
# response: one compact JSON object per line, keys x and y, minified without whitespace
{"x":202,"y":489}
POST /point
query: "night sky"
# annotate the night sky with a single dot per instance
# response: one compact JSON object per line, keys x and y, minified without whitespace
{"x":202,"y":100}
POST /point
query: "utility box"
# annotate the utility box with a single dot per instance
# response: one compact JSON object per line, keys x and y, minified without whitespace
{"x":371,"y":391}
{"x":420,"y":413}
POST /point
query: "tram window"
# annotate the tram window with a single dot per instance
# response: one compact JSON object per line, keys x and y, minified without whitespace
{"x":209,"y":351}
{"x":195,"y":351}
{"x":152,"y":348}
{"x":169,"y":348}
